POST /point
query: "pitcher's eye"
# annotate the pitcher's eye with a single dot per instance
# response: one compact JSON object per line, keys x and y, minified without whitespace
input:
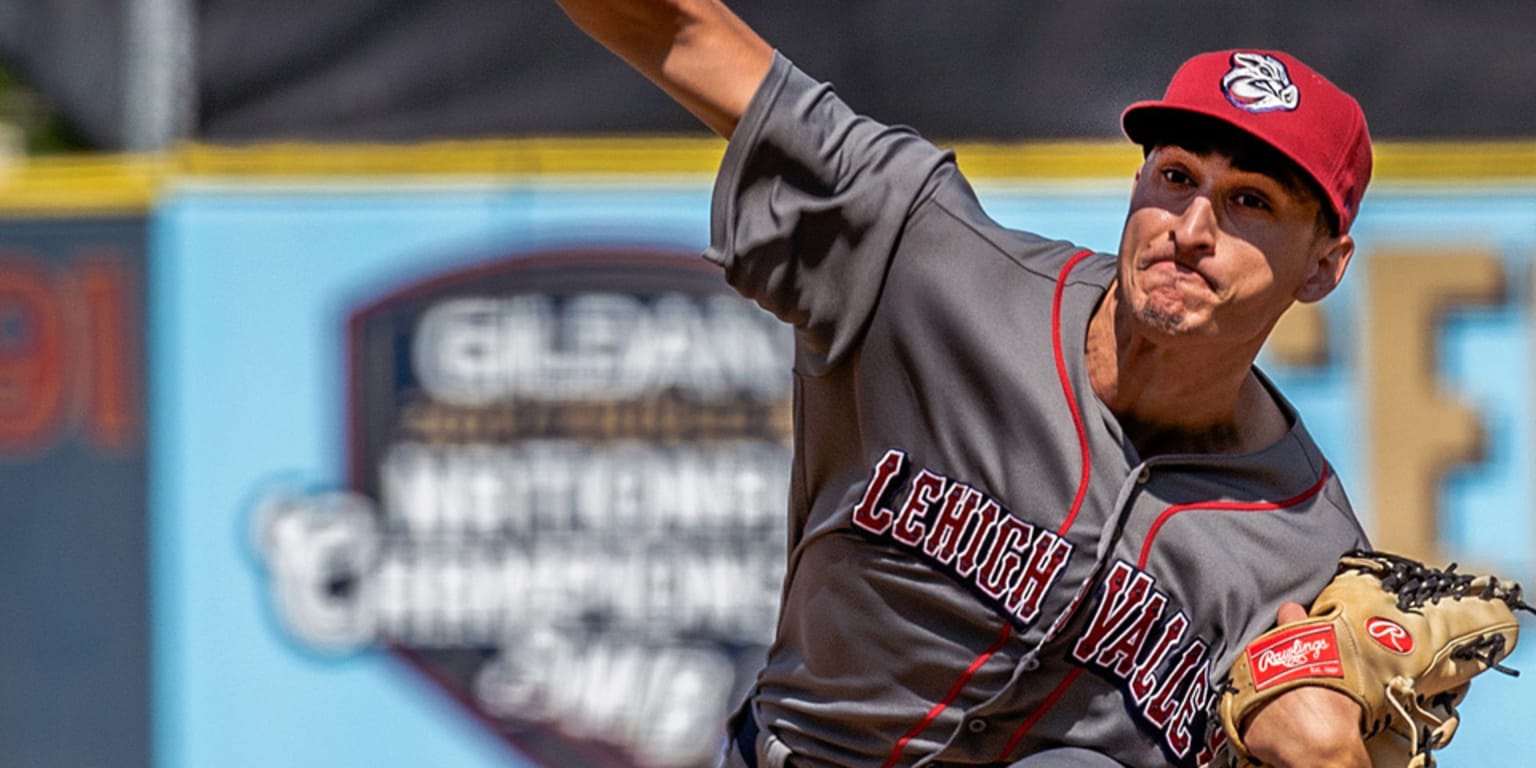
{"x":1176,"y":177}
{"x":1251,"y":200}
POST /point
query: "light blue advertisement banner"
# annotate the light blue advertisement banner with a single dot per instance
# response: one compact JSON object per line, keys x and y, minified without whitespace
{"x":251,"y":295}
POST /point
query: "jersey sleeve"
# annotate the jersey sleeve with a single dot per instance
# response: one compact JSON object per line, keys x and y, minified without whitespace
{"x":810,"y":205}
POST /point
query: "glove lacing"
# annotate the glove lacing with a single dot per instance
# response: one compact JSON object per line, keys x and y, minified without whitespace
{"x":1427,"y":730}
{"x":1415,"y":584}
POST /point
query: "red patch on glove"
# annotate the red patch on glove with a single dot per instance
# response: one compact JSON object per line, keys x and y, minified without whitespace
{"x":1390,"y":635}
{"x":1306,"y":651}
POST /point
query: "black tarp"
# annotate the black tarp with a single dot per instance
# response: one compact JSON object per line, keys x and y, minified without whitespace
{"x":72,"y":53}
{"x":405,"y":69}
{"x":412,"y":69}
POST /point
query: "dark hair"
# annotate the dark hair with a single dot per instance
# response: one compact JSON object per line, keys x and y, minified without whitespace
{"x":1203,"y":135}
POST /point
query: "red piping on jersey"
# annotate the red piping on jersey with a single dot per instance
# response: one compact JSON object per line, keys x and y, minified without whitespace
{"x":1167,"y":514}
{"x":1146,"y":550}
{"x":1066,"y":389}
{"x":1082,"y":483}
{"x":1228,"y":506}
{"x":1066,"y":525}
{"x":954,"y":691}
{"x":1050,"y":701}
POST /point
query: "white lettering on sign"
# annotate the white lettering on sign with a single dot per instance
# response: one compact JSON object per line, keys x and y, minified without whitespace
{"x":543,"y":486}
{"x":620,"y":557}
{"x":656,"y":542}
{"x":580,"y":505}
{"x":665,"y":703}
{"x":477,"y":351}
{"x":316,"y":548}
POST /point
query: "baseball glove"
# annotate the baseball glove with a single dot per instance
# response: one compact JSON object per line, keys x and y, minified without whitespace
{"x":1400,"y":638}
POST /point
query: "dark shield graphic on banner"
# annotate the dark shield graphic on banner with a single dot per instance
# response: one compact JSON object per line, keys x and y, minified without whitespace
{"x":568,"y":486}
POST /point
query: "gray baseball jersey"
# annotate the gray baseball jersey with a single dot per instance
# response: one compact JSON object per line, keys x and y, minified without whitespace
{"x":981,"y":566}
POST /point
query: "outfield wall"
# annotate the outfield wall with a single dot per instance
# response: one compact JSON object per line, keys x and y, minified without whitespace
{"x":199,"y":352}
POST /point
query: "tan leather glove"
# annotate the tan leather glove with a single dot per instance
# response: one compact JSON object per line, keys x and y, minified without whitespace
{"x":1400,"y":638}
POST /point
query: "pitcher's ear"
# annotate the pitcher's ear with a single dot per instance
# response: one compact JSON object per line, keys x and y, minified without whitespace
{"x":1330,"y":260}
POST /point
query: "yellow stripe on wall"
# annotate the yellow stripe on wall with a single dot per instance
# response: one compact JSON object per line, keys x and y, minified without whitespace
{"x":520,"y":157}
{"x":53,"y":186}
{"x":1441,"y":161}
{"x":111,"y":183}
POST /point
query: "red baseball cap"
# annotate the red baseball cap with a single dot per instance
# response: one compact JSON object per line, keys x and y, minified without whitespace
{"x":1282,"y":102}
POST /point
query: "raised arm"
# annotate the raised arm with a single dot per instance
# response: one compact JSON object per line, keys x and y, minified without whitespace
{"x":697,"y":51}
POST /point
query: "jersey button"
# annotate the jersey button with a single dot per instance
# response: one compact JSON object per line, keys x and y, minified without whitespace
{"x":1144,"y":475}
{"x":976,"y":724}
{"x":1031,"y":664}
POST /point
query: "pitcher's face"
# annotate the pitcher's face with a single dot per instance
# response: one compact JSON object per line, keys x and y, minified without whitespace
{"x":1212,"y":251}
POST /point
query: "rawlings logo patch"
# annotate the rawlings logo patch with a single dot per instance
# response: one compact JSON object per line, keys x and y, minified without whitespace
{"x":1390,"y":635}
{"x":1259,"y":83}
{"x":1307,"y":651}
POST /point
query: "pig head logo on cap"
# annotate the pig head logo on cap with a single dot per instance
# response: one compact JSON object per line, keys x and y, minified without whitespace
{"x":1259,"y":82}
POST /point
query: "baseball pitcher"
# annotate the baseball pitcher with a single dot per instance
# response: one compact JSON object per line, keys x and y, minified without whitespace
{"x":1042,"y":499}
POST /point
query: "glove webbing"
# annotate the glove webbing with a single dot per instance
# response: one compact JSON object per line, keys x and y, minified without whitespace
{"x":1416,"y":584}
